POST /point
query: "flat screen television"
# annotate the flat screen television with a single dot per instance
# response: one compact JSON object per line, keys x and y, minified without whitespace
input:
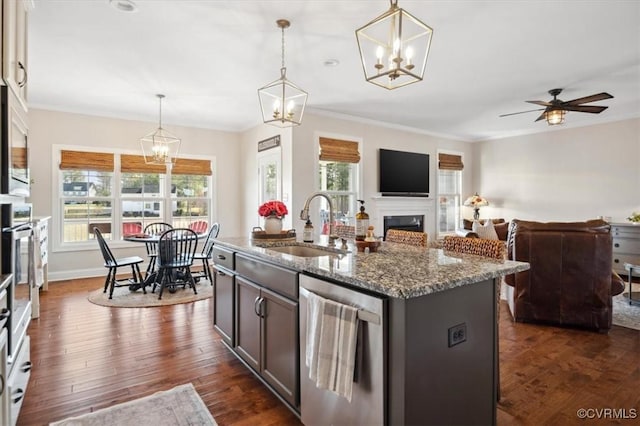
{"x":403,"y":174}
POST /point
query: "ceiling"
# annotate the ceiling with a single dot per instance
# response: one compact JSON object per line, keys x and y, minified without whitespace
{"x":210,"y":57}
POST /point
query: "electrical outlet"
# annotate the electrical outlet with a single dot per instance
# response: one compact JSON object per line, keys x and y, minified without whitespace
{"x":457,"y":334}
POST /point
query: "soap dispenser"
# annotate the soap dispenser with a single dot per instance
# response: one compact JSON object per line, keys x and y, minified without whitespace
{"x":307,"y":234}
{"x":362,"y":222}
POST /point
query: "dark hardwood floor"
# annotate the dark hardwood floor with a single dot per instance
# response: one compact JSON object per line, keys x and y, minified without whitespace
{"x":86,"y":357}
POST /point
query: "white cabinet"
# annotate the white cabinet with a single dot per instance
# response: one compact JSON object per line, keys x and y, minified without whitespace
{"x":19,"y":379}
{"x":14,"y":46}
{"x":626,"y":246}
{"x":4,"y":373}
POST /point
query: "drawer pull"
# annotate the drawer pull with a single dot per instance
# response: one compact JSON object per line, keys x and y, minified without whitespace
{"x":222,"y":274}
{"x":22,"y":82}
{"x":1,"y":385}
{"x":5,"y":313}
{"x":19,"y":394}
{"x":26,"y":367}
{"x":616,"y":260}
{"x":616,"y":245}
{"x":222,"y":257}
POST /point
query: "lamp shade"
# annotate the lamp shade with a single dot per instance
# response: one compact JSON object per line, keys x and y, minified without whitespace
{"x":476,"y":201}
{"x":394,"y":48}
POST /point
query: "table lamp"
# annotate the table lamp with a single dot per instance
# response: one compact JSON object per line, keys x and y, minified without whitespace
{"x":476,"y":202}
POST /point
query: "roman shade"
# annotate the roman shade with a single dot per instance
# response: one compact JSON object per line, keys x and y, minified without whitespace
{"x":19,"y":158}
{"x":450,"y":162}
{"x":186,"y":166}
{"x":339,"y":150}
{"x":81,"y":160}
{"x":136,"y":164}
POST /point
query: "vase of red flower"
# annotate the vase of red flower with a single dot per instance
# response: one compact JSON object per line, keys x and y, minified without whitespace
{"x":273,"y":213}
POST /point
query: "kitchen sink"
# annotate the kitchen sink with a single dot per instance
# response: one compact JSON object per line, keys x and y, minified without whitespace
{"x":304,"y":251}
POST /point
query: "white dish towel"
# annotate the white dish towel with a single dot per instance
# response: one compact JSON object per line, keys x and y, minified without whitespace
{"x":332,"y":333}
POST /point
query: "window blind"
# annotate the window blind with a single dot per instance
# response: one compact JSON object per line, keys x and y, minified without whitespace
{"x":185,"y":166}
{"x":80,"y":160}
{"x":450,"y":162}
{"x":339,"y":150}
{"x":136,"y":164}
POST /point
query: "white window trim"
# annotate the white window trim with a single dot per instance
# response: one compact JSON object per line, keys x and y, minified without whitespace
{"x":57,"y":245}
{"x":461,"y":154}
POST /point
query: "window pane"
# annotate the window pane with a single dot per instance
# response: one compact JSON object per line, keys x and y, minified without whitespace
{"x":142,"y":184}
{"x":336,"y":176}
{"x":190,"y":185}
{"x":449,"y":196}
{"x":83,"y":183}
{"x":188,"y":211}
{"x":80,"y":217}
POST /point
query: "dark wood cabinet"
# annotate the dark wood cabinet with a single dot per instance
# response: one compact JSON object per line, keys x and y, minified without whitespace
{"x":223,"y":303}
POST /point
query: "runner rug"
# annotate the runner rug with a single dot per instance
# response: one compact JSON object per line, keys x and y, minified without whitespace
{"x":178,"y":406}
{"x":624,"y":314}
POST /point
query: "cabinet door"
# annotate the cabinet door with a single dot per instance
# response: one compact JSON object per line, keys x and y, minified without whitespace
{"x":4,"y":386}
{"x":223,"y":290}
{"x":280,"y":345}
{"x":248,"y":322}
{"x":14,"y":60}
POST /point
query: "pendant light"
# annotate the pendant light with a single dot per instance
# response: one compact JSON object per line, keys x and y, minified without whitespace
{"x":282,"y":102}
{"x":394,"y":48}
{"x":160,"y":146}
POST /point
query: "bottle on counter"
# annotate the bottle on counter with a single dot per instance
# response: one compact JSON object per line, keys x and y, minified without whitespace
{"x":362,"y":222}
{"x":307,"y":234}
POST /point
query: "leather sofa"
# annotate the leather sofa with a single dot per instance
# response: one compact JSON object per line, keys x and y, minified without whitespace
{"x":571,"y":281}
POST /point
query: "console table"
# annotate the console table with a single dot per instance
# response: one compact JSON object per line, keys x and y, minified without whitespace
{"x":626,"y":246}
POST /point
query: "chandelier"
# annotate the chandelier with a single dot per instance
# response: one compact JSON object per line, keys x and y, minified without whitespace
{"x":394,"y":48}
{"x":160,"y":146}
{"x":282,"y":102}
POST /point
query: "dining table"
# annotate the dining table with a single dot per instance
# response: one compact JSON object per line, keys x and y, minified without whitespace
{"x":150,"y":277}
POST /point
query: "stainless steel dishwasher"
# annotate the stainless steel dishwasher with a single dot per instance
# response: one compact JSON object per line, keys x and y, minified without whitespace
{"x":367,"y":407}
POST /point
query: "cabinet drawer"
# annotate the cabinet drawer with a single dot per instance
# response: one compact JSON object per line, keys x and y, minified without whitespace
{"x":273,"y":277}
{"x":626,"y":245}
{"x":19,"y":379}
{"x":223,"y":257}
{"x":620,"y":259}
{"x":631,"y":231}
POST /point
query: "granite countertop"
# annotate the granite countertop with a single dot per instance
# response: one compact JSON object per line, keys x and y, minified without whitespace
{"x":395,"y":270}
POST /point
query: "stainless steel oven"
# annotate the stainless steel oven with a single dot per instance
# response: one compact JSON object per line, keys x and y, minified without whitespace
{"x":17,"y":238}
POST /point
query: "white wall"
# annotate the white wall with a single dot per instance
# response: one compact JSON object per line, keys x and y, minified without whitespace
{"x":373,"y":137}
{"x":47,"y":128}
{"x":562,"y":175}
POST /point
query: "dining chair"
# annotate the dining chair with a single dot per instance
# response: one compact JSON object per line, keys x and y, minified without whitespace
{"x":112,"y":264}
{"x":412,"y":238}
{"x":176,"y":249}
{"x":155,"y":228}
{"x":131,"y":228}
{"x":199,"y":226}
{"x":494,"y":249}
{"x":205,"y":253}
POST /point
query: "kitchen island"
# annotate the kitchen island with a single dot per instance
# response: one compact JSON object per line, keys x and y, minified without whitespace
{"x":429,"y":357}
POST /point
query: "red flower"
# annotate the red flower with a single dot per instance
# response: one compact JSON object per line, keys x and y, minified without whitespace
{"x":273,"y":208}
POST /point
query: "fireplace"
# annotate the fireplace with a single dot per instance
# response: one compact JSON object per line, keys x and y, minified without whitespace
{"x":405,"y":222}
{"x":423,"y":209}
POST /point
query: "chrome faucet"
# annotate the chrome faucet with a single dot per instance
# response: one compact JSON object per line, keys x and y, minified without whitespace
{"x":304,"y":215}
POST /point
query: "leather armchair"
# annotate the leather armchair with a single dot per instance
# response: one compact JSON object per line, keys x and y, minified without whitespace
{"x":571,"y":281}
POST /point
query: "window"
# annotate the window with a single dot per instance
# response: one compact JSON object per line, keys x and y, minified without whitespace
{"x":123,"y":200}
{"x":338,"y":176}
{"x":449,"y":192}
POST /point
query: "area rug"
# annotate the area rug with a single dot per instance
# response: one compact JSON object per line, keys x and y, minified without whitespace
{"x":125,"y":298}
{"x":174,"y":407}
{"x":625,"y":315}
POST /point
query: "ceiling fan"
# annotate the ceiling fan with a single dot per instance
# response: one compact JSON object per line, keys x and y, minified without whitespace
{"x":555,"y":109}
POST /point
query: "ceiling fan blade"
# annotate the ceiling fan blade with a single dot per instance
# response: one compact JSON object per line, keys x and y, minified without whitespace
{"x":521,"y":112}
{"x":593,"y":109}
{"x":542,"y":103}
{"x":587,"y":99}
{"x":542,"y":116}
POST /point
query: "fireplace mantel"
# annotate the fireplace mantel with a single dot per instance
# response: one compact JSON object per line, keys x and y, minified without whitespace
{"x":398,"y":206}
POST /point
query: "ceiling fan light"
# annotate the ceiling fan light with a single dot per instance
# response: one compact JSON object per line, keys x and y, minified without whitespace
{"x":555,"y":116}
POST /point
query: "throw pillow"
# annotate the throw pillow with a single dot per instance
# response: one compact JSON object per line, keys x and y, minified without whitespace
{"x":486,"y":231}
